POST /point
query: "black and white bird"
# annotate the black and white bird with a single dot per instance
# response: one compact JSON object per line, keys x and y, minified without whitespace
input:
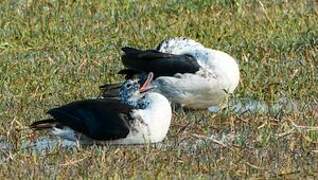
{"x":139,"y":116}
{"x":186,"y":72}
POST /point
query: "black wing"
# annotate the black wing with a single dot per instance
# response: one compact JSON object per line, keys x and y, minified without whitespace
{"x":161,"y":64}
{"x":96,"y":118}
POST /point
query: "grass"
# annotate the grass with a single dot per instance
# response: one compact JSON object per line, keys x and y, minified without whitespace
{"x":54,"y":52}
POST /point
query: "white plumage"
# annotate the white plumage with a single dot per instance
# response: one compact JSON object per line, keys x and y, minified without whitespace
{"x":218,"y":75}
{"x":153,"y":122}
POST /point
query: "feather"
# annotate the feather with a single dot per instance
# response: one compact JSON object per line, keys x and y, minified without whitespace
{"x":44,"y":124}
{"x":161,"y":64}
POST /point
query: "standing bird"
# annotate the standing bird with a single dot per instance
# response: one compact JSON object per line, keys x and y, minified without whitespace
{"x":139,"y":116}
{"x":185,"y":71}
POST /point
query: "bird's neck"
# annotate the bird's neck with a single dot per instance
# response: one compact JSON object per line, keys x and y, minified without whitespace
{"x":137,"y":102}
{"x":143,"y":103}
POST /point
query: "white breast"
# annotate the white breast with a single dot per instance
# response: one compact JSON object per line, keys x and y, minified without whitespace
{"x":156,"y":117}
{"x":151,"y":124}
{"x":191,"y":90}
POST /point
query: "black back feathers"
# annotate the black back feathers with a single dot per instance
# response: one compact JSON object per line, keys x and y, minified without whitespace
{"x":161,"y":64}
{"x":96,"y":118}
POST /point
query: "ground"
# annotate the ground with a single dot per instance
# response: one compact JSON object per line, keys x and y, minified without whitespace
{"x":54,"y":52}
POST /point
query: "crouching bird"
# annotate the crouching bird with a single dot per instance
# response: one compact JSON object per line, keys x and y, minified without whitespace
{"x":139,"y":116}
{"x":185,"y":71}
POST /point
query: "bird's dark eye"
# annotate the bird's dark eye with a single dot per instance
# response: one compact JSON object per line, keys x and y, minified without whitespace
{"x":128,"y":85}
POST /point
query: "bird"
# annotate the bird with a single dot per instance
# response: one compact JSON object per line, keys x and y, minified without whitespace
{"x":185,"y":71}
{"x":140,"y":116}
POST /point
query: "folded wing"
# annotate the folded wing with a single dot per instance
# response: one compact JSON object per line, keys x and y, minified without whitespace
{"x":96,"y":118}
{"x":161,"y":64}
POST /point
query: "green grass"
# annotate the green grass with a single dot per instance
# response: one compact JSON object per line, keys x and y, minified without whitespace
{"x":52,"y":53}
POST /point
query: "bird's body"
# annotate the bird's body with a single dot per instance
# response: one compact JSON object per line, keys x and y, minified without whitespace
{"x":186,"y":72}
{"x":150,"y":125}
{"x":136,"y":118}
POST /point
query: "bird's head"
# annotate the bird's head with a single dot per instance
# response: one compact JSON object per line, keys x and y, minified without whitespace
{"x":133,"y":90}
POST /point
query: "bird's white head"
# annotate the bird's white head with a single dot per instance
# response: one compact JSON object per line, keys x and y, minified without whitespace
{"x":132,"y":93}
